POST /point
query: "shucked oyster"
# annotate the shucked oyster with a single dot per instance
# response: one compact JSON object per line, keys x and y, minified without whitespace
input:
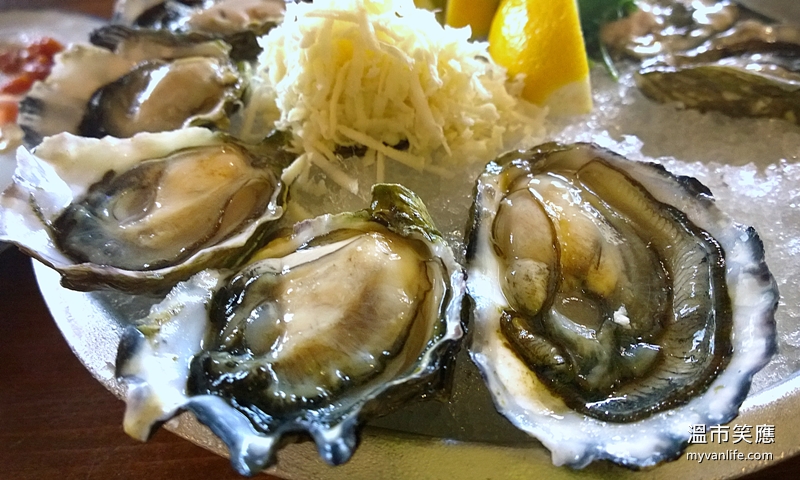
{"x":751,"y":70}
{"x":134,"y":81}
{"x":216,"y":17}
{"x":237,"y":22}
{"x":659,"y":27}
{"x":345,"y":317}
{"x":160,"y":208}
{"x":712,"y":55}
{"x":615,"y":305}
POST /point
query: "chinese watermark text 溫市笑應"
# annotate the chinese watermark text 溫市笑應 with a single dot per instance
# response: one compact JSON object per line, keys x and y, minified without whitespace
{"x":737,"y":434}
{"x":720,"y":434}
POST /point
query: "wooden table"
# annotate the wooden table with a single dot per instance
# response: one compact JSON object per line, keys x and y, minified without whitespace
{"x":56,"y":421}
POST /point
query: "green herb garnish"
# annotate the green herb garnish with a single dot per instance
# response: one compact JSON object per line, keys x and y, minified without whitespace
{"x":594,"y":14}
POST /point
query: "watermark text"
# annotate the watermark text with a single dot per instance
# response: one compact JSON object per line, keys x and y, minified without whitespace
{"x":719,"y":434}
{"x":731,"y":434}
{"x":728,"y":455}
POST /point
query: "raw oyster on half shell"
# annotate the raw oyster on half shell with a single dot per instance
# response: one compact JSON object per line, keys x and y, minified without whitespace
{"x":615,"y":304}
{"x":213,"y":17}
{"x":659,"y":27}
{"x":712,"y":55}
{"x":134,"y":81}
{"x":343,"y":318}
{"x":143,"y":213}
{"x":237,"y":22}
{"x":751,"y":70}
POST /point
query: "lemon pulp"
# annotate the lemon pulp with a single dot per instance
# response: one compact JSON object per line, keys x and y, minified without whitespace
{"x":543,"y":41}
{"x":476,"y":14}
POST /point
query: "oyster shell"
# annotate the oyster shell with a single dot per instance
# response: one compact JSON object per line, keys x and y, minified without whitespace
{"x":343,"y":318}
{"x":237,"y":22}
{"x":214,"y":17}
{"x":615,"y":305}
{"x":712,"y":55}
{"x":660,"y":27}
{"x":162,"y":208}
{"x":751,"y":70}
{"x":135,"y":81}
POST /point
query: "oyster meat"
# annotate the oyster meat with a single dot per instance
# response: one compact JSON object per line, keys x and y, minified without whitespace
{"x":751,"y":70}
{"x":660,"y":27}
{"x":615,"y":305}
{"x":134,"y":81}
{"x":712,"y":55}
{"x":215,"y":17}
{"x":237,"y":22}
{"x":344,"y":317}
{"x":163,"y":207}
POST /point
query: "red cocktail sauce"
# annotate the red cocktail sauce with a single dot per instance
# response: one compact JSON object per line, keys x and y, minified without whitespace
{"x":20,"y":66}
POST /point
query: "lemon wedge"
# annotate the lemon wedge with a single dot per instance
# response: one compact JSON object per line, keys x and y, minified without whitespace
{"x":476,"y":14}
{"x":432,"y":5}
{"x":542,"y":39}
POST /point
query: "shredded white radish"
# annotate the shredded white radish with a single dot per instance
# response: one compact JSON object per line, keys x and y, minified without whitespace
{"x":389,"y":77}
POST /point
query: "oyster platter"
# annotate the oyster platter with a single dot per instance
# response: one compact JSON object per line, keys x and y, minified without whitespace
{"x":334,"y":239}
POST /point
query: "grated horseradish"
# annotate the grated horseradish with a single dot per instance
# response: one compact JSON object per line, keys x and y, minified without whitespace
{"x":388,"y":77}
